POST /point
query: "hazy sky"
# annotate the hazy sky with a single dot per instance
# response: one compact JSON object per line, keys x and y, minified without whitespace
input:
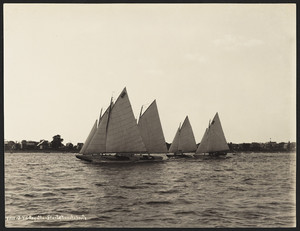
{"x":63,"y":62}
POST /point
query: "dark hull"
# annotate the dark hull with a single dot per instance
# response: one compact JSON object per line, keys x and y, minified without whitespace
{"x":211,"y":155}
{"x":179,"y":156}
{"x":119,"y":159}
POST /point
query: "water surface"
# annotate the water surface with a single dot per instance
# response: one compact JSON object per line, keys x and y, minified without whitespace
{"x":59,"y":190}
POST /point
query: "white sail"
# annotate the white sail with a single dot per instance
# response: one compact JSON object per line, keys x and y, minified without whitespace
{"x":187,"y":142}
{"x":184,"y":140}
{"x":122,"y":131}
{"x":174,"y":146}
{"x":89,"y":138}
{"x":203,"y":146}
{"x":151,"y":130}
{"x":97,"y":144}
{"x":214,"y":139}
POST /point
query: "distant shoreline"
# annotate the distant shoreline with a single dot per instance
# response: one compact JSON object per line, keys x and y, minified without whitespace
{"x":40,"y":151}
{"x":46,"y":147}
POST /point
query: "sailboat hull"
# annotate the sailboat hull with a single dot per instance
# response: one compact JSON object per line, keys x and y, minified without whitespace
{"x":180,"y":156}
{"x":120,"y":159}
{"x":211,"y":155}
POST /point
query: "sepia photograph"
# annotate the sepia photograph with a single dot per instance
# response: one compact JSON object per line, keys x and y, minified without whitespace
{"x":140,"y":115}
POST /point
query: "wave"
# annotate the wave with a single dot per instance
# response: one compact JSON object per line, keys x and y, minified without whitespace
{"x":103,"y":217}
{"x":110,"y":210}
{"x":49,"y":223}
{"x":48,"y":194}
{"x":151,"y":183}
{"x":70,"y":189}
{"x":158,"y":202}
{"x":184,"y":201}
{"x":186,"y":212}
{"x":236,"y":188}
{"x":29,"y":195}
{"x":115,"y":197}
{"x":168,"y":191}
{"x":100,"y":185}
{"x":133,"y":187}
{"x":32,"y":164}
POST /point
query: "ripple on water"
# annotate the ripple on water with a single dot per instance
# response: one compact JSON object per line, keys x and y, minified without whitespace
{"x":100,"y":184}
{"x":48,"y":194}
{"x":30,"y":195}
{"x":170,"y":191}
{"x":133,"y":187}
{"x":186,"y":212}
{"x":70,"y":189}
{"x":158,"y":202}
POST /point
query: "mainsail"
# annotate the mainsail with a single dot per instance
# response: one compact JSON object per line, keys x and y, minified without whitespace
{"x":187,"y":142}
{"x":151,"y":130}
{"x":184,"y":140}
{"x":122,"y":131}
{"x":213,"y":139}
{"x":117,"y":130}
{"x":89,"y":138}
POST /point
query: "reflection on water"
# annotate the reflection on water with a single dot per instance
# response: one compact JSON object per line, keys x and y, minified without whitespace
{"x":247,"y":190}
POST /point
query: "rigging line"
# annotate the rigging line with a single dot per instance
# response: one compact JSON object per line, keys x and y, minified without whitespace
{"x":142,"y":110}
{"x":179,"y":130}
{"x":109,"y":112}
{"x":147,"y":107}
{"x":100,"y":116}
{"x":140,"y":114}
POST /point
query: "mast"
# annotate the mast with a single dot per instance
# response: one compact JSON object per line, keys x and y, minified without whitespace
{"x":179,"y":138}
{"x":140,"y":113}
{"x":109,"y":111}
{"x":100,"y":116}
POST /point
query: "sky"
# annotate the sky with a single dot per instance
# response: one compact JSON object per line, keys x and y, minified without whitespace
{"x":63,"y":62}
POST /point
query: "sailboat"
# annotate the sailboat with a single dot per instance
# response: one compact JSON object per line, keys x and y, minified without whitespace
{"x":117,"y":138}
{"x":184,"y":141}
{"x":213,"y":141}
{"x":151,"y":130}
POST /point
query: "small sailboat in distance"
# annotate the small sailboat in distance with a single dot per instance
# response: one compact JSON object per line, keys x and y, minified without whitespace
{"x":213,"y":141}
{"x":117,"y":138}
{"x":184,"y":141}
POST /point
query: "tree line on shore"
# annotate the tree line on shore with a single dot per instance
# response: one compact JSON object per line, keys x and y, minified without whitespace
{"x":57,"y":145}
{"x":43,"y":145}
